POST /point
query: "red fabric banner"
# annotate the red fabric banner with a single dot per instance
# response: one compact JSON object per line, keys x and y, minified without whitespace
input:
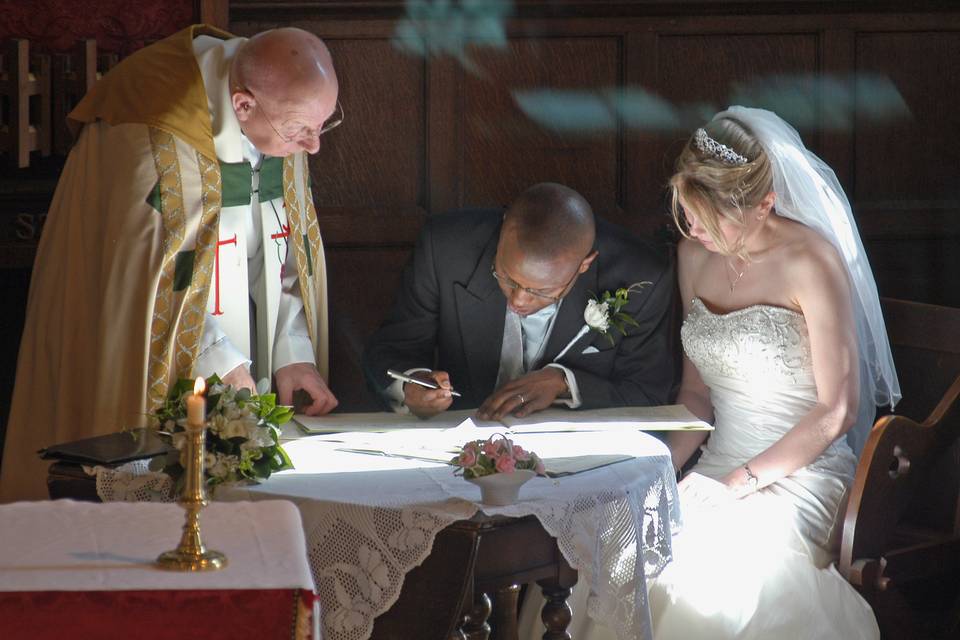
{"x":118,"y":26}
{"x":264,"y":614}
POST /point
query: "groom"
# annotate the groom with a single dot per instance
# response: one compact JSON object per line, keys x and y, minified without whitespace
{"x":491,"y":305}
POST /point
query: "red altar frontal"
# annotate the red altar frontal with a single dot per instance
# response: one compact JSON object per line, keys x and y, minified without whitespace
{"x":81,"y":570}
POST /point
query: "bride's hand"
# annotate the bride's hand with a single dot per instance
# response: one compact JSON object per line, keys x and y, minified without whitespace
{"x":738,"y":483}
{"x":697,"y":489}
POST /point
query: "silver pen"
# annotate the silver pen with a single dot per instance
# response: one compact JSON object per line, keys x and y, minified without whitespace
{"x":396,"y":375}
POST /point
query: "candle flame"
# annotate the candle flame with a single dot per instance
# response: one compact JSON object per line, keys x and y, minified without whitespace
{"x":199,"y":386}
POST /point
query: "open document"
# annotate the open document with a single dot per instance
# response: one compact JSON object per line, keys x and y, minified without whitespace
{"x":674,"y":417}
{"x":567,"y":441}
{"x":563,"y":453}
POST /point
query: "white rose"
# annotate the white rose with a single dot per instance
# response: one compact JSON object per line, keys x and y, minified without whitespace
{"x":218,"y":469}
{"x":265,"y":436}
{"x":223,"y":466}
{"x":596,"y":315}
{"x":217,"y":423}
{"x":209,"y":459}
{"x":250,"y":428}
{"x":234,"y":429}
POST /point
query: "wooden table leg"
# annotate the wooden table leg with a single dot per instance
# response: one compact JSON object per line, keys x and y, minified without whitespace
{"x":505,"y":612}
{"x":474,"y":626}
{"x":556,"y":613}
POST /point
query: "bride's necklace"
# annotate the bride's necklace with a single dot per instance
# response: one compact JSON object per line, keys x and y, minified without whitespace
{"x":738,"y":275}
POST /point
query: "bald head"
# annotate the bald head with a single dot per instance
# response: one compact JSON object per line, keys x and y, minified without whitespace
{"x":283,"y":89}
{"x":550,"y":220}
{"x":288,"y":63}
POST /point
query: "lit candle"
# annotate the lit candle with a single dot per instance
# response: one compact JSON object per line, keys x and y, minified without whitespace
{"x":196,"y":406}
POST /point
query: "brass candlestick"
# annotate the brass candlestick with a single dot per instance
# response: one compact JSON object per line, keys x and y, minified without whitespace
{"x":190,"y":554}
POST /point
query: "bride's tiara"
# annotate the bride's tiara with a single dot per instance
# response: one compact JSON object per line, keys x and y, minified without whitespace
{"x":723,"y":153}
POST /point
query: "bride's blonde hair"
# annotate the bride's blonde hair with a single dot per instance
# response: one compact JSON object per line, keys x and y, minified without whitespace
{"x":716,"y":188}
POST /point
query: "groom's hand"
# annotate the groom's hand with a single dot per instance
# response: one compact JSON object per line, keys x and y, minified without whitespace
{"x":424,"y":402}
{"x":525,"y":395}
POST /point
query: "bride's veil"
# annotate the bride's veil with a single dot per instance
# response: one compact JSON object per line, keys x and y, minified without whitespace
{"x":808,"y":191}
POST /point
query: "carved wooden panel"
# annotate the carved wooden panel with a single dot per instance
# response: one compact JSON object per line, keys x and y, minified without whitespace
{"x":917,"y":159}
{"x":700,"y":74}
{"x":505,"y":151}
{"x":362,"y":284}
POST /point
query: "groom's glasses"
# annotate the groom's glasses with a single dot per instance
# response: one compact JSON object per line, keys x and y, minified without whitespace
{"x":544,"y":294}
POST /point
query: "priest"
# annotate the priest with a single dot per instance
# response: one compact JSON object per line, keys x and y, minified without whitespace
{"x":181,"y":241}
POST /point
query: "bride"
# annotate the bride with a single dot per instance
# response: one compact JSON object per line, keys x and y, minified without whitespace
{"x":786,"y":353}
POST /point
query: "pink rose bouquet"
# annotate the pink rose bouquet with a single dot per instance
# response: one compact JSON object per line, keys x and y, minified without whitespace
{"x":496,"y":454}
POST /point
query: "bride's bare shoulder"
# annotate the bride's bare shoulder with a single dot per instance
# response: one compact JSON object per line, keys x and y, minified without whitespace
{"x":690,"y":252}
{"x":811,"y":254}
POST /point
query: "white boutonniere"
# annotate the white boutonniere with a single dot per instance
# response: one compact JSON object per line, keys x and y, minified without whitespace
{"x":603,"y":314}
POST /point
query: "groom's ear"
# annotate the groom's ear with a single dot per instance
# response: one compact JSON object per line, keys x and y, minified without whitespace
{"x":588,"y":261}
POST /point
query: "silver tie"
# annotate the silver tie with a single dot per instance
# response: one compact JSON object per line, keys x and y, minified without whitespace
{"x":511,"y":354}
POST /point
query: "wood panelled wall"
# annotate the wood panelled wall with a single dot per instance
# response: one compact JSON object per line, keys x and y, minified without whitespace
{"x":427,"y":133}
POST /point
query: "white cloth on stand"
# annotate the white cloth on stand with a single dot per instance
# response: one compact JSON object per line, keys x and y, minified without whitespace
{"x":78,"y":546}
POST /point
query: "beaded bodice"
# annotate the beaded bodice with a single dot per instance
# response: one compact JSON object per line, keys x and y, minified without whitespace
{"x":759,"y":342}
{"x":757,"y":364}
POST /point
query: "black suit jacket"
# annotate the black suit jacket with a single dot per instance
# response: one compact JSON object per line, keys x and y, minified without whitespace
{"x":449,"y":315}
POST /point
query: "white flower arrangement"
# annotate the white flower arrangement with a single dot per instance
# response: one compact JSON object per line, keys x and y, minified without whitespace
{"x":242,"y":438}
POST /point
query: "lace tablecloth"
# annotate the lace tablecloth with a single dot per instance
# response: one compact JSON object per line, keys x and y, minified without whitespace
{"x":369,"y":520}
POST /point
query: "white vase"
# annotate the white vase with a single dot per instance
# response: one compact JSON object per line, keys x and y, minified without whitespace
{"x":501,"y":489}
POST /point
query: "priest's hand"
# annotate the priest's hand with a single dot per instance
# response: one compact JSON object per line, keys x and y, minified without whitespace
{"x":240,"y":378}
{"x":527,"y":394}
{"x":424,"y":402}
{"x":303,"y":375}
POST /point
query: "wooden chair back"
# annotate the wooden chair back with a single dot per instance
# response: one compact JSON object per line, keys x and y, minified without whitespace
{"x":902,"y":523}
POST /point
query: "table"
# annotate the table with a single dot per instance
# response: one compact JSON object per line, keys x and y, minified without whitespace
{"x":370,"y":520}
{"x":84,"y":570}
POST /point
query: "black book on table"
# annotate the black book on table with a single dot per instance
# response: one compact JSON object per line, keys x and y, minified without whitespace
{"x":110,"y":449}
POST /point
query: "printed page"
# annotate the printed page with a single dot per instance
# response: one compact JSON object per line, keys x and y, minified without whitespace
{"x":381,"y":421}
{"x":674,"y":417}
{"x":659,"y":418}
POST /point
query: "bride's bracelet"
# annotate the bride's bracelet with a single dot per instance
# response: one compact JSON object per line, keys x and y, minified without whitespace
{"x":752,"y":480}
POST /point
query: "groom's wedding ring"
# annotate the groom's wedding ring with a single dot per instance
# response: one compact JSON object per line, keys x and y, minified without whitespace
{"x":522,"y":401}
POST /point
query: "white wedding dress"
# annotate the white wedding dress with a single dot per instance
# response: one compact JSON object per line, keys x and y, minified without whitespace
{"x":759,"y":567}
